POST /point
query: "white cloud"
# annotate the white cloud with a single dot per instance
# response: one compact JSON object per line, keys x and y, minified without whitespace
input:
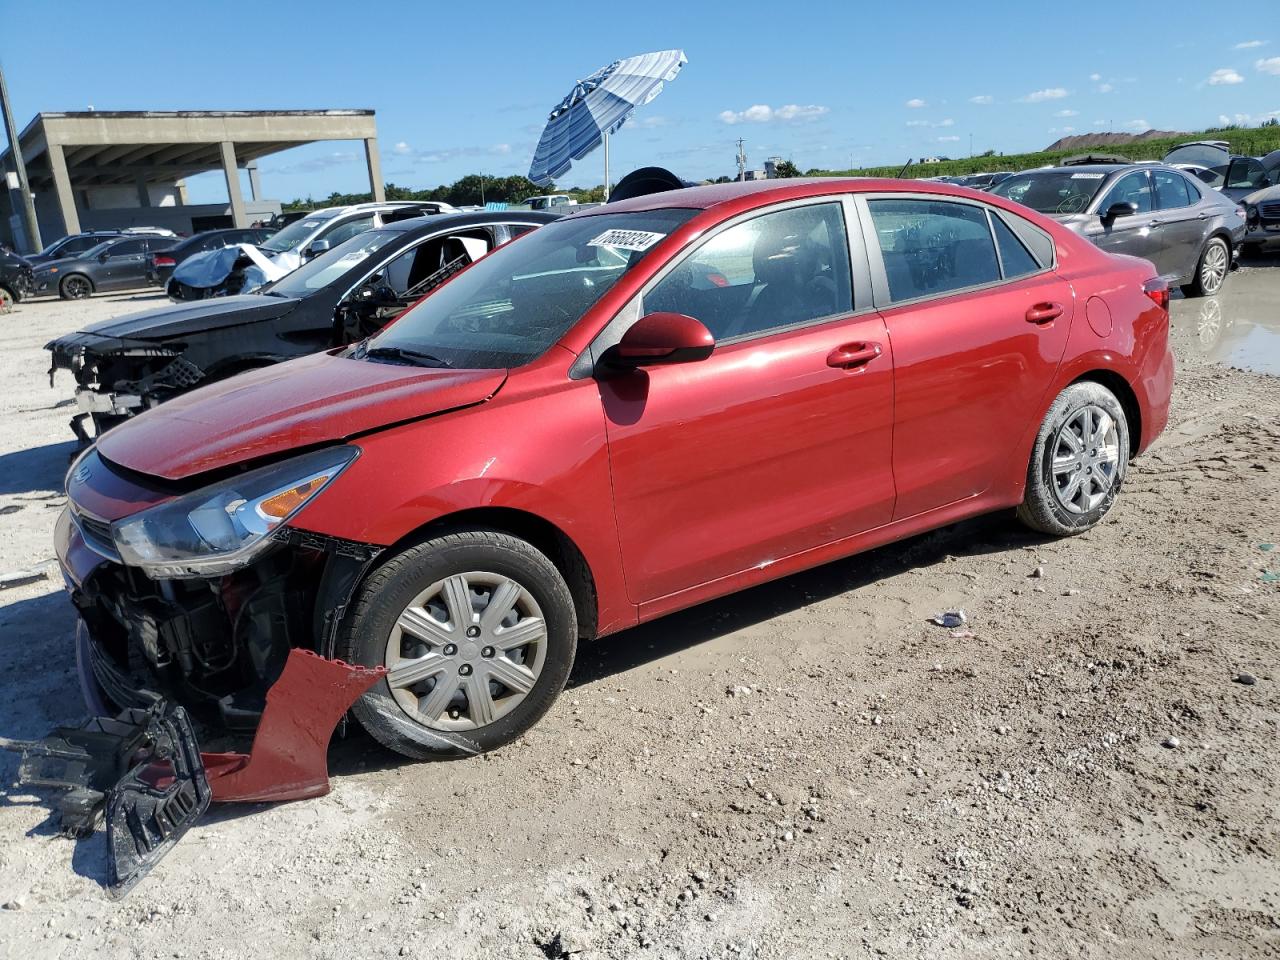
{"x":649,"y":123}
{"x":1251,"y":44}
{"x":1224,"y":120}
{"x":982,"y":100}
{"x":1270,"y":65}
{"x":402,"y":148}
{"x":948,"y":139}
{"x":945,"y":123}
{"x":1099,"y":123}
{"x":915,"y":103}
{"x":1105,"y":87}
{"x":763,"y":113}
{"x":1138,"y":125}
{"x":1068,"y":129}
{"x":1095,"y":77}
{"x":917,"y":123}
{"x":1067,"y":113}
{"x":1039,"y":96}
{"x":1225,"y":76}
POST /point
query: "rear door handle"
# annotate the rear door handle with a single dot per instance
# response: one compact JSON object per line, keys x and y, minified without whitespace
{"x":1043,"y":313}
{"x":849,"y":355}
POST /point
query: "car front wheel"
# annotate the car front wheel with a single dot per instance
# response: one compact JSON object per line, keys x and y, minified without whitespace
{"x":1211,"y":269}
{"x":75,"y":287}
{"x":478,"y":632}
{"x":1078,"y":462}
{"x":7,"y":300}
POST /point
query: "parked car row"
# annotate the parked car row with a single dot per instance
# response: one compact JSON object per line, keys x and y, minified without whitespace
{"x":132,"y":363}
{"x":625,"y":411}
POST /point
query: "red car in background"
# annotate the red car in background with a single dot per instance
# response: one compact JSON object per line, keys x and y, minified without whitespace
{"x":626,"y":412}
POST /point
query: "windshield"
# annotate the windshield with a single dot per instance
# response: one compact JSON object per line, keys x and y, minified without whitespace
{"x":331,"y":264}
{"x":292,"y":235}
{"x":510,"y":307}
{"x":1052,"y":191}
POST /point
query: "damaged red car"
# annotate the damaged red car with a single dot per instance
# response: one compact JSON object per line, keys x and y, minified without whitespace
{"x":627,"y":412}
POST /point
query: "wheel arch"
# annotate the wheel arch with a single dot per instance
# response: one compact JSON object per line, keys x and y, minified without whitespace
{"x":546,"y":536}
{"x":1119,"y":386}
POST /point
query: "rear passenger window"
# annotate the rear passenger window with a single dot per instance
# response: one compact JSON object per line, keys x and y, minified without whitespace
{"x":933,"y":246}
{"x":773,"y":271}
{"x":1171,"y":190}
{"x":1014,"y":257}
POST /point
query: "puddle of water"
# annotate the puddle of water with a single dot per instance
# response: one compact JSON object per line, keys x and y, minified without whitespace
{"x":1240,"y":327}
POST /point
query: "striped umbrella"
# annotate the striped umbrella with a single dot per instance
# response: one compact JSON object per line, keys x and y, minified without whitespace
{"x":597,"y":107}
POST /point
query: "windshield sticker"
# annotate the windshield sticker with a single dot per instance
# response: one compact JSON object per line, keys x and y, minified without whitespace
{"x":626,"y":239}
{"x":1087,"y":176}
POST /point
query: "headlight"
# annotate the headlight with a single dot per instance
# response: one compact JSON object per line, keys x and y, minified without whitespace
{"x":227,"y":525}
{"x":1251,"y":213}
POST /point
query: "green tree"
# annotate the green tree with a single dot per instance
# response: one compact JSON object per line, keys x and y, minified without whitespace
{"x":785,"y":168}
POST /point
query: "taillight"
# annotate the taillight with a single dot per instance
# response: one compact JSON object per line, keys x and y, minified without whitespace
{"x":161,"y":260}
{"x":1158,"y":291}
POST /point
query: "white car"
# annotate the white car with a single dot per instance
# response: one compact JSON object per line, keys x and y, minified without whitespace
{"x":323,"y":229}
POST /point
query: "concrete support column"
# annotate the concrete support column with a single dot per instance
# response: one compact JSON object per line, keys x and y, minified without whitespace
{"x":62,"y":189}
{"x":144,"y":195}
{"x":238,"y":216}
{"x":375,"y":169}
{"x":255,"y":185}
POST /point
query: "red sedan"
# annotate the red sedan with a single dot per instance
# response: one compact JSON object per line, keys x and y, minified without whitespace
{"x":623,"y":413}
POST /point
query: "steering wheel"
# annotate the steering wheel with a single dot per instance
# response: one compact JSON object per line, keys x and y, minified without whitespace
{"x":1072,"y":204}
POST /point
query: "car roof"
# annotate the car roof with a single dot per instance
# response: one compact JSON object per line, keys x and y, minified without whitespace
{"x":772,"y":191}
{"x":443,"y":221}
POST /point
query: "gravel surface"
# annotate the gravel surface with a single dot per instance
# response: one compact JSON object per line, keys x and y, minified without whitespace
{"x":1087,"y":767}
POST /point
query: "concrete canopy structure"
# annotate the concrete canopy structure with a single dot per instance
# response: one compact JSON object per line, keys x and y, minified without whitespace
{"x":105,"y":169}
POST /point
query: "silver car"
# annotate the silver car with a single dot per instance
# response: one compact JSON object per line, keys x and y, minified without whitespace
{"x":1189,"y":231}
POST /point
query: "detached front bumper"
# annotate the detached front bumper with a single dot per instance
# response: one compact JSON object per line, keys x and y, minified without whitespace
{"x":144,"y":772}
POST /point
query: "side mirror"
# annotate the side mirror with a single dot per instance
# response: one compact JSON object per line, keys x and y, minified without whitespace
{"x":1123,"y":209}
{"x":661,"y":338}
{"x":315,"y":248}
{"x":104,"y":257}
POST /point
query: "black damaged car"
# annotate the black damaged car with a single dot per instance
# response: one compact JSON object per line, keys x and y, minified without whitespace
{"x":16,"y":279}
{"x":129,"y":364}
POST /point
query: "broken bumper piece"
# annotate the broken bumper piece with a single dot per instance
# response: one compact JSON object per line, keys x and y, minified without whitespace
{"x":145,"y":771}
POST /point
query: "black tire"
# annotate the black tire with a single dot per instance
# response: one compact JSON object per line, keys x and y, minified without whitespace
{"x":75,"y":286}
{"x":1199,"y":286}
{"x":7,"y":299}
{"x":1042,"y":507}
{"x":392,"y":587}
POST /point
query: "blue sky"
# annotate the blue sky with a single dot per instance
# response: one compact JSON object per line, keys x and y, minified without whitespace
{"x":465,"y":87}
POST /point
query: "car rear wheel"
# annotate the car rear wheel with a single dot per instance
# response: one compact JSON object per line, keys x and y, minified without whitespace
{"x":478,"y":633}
{"x":1078,"y":462}
{"x":75,"y":287}
{"x":1211,"y":270}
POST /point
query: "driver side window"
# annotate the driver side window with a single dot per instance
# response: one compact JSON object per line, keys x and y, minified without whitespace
{"x":1132,"y":188}
{"x":767,"y":273}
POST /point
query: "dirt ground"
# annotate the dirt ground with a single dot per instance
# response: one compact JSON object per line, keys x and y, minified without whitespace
{"x":808,"y":769}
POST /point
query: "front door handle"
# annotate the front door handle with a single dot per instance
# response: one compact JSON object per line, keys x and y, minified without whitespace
{"x":1043,"y":313}
{"x":850,"y":355}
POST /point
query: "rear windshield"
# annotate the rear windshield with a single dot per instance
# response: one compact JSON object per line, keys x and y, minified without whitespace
{"x":510,"y":307}
{"x":1052,"y":191}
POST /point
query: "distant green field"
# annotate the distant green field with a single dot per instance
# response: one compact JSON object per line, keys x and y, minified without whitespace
{"x":1253,"y":142}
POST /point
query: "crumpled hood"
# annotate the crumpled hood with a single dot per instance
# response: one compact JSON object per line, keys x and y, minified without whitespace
{"x":179,"y":319}
{"x":264,"y":413}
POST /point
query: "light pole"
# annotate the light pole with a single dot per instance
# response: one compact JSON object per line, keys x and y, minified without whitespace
{"x":28,"y":207}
